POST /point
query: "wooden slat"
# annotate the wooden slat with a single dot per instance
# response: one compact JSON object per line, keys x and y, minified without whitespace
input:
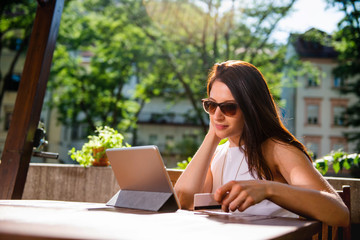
{"x":346,"y":197}
{"x":334,"y":232}
{"x":19,"y":142}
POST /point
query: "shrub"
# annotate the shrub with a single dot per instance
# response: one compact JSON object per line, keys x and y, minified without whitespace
{"x":338,"y":160}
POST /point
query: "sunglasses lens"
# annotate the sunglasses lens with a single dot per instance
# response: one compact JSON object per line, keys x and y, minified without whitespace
{"x":210,"y":107}
{"x":228,"y":109}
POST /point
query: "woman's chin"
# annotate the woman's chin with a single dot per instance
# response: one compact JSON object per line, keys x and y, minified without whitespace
{"x":221,"y":135}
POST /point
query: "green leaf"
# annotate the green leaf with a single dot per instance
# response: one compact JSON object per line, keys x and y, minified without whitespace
{"x":322,"y":165}
{"x":346,"y":164}
{"x":184,"y":163}
{"x":336,"y":166}
{"x":356,"y":159}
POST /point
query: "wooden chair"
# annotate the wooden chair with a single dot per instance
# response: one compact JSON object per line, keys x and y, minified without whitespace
{"x":337,"y":233}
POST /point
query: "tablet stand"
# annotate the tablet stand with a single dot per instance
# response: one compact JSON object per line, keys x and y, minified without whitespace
{"x":151,"y":201}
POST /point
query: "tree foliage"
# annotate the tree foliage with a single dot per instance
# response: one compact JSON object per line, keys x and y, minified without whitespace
{"x":193,"y":35}
{"x":163,"y":47}
{"x":99,"y":51}
{"x":347,"y":43}
{"x":16,"y":20}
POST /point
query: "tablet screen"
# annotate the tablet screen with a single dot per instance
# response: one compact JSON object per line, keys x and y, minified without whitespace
{"x":139,"y":169}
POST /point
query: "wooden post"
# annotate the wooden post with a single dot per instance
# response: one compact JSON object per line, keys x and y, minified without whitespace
{"x":19,"y":142}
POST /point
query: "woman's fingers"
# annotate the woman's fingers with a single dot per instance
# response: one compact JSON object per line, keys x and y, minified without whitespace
{"x":239,"y":195}
{"x":222,"y":192}
{"x":247,"y":203}
{"x":232,"y":194}
{"x":239,"y":201}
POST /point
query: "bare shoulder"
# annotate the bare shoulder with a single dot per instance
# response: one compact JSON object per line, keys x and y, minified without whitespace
{"x":293,"y":165}
{"x":278,"y":153}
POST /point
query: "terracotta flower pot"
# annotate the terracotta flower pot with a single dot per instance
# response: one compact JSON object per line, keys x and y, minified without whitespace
{"x":99,"y":158}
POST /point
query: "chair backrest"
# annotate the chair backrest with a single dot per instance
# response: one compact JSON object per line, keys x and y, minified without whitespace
{"x":345,"y":196}
{"x":334,"y":233}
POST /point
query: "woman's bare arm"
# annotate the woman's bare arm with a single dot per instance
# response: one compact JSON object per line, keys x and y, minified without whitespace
{"x":308,"y":193}
{"x":197,"y":175}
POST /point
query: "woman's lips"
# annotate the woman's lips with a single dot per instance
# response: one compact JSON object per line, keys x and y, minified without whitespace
{"x":221,"y":126}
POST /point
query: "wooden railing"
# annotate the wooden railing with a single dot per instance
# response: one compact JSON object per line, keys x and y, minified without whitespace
{"x":74,"y":183}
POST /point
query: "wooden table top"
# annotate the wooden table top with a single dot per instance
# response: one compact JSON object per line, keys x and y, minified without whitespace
{"x":42,"y":219}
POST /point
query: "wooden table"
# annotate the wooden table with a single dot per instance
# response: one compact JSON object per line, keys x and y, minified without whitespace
{"x":40,"y":219}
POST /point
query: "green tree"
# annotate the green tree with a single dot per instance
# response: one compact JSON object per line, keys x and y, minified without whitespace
{"x":98,"y":52}
{"x":193,"y":35}
{"x":347,"y":43}
{"x":168,"y":46}
{"x":16,"y":20}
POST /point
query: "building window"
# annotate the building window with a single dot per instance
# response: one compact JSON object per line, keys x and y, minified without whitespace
{"x":79,"y":131}
{"x":313,"y":114}
{"x":191,"y":137}
{"x":338,"y":82}
{"x":339,"y":119}
{"x":312,"y":111}
{"x":153,"y":138}
{"x":312,"y":81}
{"x":157,"y":118}
{"x":86,"y":57}
{"x":169,"y":141}
{"x":313,"y":145}
{"x":338,"y":143}
{"x":338,"y":108}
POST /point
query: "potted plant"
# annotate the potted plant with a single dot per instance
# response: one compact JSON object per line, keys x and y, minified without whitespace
{"x":93,"y":151}
{"x":339,"y":161}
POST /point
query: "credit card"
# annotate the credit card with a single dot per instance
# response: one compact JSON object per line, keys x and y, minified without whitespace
{"x":205,"y":201}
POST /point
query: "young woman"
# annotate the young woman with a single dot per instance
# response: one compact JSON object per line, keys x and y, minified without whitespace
{"x":262,"y":168}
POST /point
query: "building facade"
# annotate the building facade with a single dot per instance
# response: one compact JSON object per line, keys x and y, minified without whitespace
{"x":315,"y":106}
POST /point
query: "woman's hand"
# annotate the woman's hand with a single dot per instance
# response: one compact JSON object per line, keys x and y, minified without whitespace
{"x":241,"y":194}
{"x":211,"y":133}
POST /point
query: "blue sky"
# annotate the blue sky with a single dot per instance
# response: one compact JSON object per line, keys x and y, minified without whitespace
{"x":307,"y":14}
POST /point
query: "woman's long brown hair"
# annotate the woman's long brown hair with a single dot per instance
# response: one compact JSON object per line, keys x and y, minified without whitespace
{"x":262,"y":120}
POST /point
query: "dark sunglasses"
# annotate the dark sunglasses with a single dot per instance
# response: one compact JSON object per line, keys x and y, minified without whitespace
{"x":228,"y":109}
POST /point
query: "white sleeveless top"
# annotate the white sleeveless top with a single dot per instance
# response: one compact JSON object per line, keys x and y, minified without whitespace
{"x":235,"y":167}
